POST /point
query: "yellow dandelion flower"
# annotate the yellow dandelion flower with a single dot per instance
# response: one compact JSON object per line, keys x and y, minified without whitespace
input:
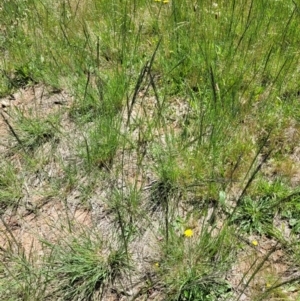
{"x":166,"y":1}
{"x":254,"y":242}
{"x":156,"y":264}
{"x":188,"y":233}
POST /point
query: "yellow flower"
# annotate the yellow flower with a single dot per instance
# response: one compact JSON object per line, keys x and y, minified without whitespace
{"x":254,"y":242}
{"x":156,"y":264}
{"x":166,"y":1}
{"x":188,"y":233}
{"x":268,"y":285}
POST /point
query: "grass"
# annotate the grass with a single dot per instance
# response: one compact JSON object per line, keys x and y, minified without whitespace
{"x":156,"y":117}
{"x":83,"y":267}
{"x":11,"y":186}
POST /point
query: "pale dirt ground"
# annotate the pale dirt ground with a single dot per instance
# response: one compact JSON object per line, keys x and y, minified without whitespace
{"x":44,"y":216}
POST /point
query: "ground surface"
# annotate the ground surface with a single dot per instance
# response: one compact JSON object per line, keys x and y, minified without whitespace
{"x":39,"y":215}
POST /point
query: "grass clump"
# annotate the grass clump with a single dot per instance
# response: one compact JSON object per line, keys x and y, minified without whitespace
{"x":31,"y":132}
{"x":83,"y":268}
{"x":200,"y":261}
{"x":100,"y":145}
{"x":10,"y":185}
{"x":22,"y":275}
